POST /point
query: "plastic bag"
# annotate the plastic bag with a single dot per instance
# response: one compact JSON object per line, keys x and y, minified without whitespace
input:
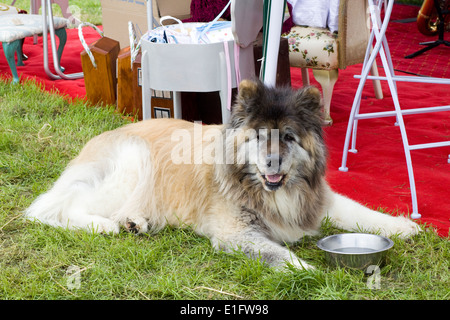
{"x":191,"y":33}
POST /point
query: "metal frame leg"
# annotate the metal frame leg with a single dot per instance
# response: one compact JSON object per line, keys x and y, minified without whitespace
{"x":48,"y":26}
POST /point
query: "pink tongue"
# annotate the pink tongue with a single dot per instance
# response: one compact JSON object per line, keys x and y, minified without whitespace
{"x":273,"y":178}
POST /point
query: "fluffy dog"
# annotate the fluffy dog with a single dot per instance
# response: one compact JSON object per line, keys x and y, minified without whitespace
{"x":251,"y":185}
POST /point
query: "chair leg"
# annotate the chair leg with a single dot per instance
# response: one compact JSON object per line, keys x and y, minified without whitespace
{"x":376,"y":83}
{"x":10,"y":49}
{"x":305,"y":76}
{"x":327,"y":80}
{"x":20,"y":55}
{"x":177,"y":105}
{"x":35,"y":4}
{"x":62,"y":35}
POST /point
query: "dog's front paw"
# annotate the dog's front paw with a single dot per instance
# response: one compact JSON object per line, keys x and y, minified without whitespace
{"x":403,"y":227}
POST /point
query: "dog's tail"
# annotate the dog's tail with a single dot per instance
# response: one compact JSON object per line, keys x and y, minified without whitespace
{"x":52,"y":207}
{"x":47,"y":208}
{"x":94,"y":191}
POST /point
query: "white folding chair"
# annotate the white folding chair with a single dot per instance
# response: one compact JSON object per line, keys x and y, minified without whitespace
{"x":381,"y":48}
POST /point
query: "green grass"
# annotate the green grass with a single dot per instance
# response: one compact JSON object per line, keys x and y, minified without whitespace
{"x":41,"y":132}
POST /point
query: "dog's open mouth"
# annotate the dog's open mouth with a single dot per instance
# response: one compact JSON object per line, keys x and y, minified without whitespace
{"x":273,"y":181}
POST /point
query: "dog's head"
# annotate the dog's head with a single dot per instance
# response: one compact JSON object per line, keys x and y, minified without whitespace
{"x":277,"y":136}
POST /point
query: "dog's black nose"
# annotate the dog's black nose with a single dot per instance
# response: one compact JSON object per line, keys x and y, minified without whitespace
{"x":273,"y":161}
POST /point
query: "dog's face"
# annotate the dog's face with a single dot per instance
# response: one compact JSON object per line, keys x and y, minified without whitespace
{"x":278,"y":136}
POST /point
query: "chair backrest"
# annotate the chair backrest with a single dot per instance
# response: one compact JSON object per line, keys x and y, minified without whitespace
{"x":354,"y":32}
{"x":188,"y":67}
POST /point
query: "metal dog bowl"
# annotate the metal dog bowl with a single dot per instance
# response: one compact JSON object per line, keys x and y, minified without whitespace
{"x":355,"y":250}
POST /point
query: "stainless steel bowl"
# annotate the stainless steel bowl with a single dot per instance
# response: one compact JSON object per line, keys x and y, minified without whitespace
{"x":355,"y":250}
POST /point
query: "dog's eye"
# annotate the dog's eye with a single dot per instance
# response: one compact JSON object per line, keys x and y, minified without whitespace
{"x":289,"y":137}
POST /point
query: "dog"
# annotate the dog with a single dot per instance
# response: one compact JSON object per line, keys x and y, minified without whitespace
{"x":253,"y":185}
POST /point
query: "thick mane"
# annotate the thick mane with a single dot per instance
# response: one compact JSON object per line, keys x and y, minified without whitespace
{"x":300,"y":201}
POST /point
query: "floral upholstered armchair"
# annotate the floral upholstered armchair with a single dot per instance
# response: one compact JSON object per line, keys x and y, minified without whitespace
{"x":316,"y":46}
{"x":327,"y":48}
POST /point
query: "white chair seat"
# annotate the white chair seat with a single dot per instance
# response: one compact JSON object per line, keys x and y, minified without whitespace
{"x":19,"y":26}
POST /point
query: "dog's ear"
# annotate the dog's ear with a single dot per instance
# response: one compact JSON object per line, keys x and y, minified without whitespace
{"x":309,"y":98}
{"x":248,"y":89}
{"x":249,"y":92}
{"x":246,"y":101}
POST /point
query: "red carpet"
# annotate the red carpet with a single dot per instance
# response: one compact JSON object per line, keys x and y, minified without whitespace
{"x":377,"y":174}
